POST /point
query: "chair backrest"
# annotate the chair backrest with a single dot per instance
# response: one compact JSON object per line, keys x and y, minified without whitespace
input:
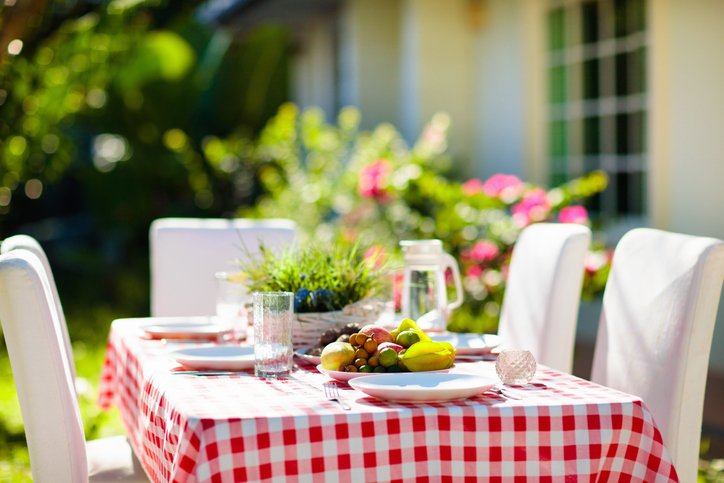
{"x":29,"y":243}
{"x":186,"y":252}
{"x":53,"y":427}
{"x":543,"y":292}
{"x":656,"y":328}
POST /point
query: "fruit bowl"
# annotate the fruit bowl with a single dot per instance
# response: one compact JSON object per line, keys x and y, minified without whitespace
{"x":346,"y":376}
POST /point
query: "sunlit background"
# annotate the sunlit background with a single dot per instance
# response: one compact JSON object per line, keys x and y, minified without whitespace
{"x":360,"y":119}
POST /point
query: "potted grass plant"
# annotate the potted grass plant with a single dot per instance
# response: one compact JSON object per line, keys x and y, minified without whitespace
{"x":332,"y":287}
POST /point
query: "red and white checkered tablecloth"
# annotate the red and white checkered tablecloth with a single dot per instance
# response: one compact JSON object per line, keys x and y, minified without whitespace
{"x":242,"y":428}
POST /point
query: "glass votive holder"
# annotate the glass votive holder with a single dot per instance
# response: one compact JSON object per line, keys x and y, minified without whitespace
{"x":515,"y":367}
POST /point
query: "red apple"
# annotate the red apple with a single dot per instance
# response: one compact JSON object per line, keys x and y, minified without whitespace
{"x":378,"y":333}
{"x":396,"y":347}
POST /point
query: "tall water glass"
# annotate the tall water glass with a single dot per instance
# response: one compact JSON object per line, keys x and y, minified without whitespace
{"x":273,"y":316}
{"x":231,"y":299}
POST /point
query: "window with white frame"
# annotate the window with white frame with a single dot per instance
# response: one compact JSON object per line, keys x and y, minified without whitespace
{"x":597,"y":98}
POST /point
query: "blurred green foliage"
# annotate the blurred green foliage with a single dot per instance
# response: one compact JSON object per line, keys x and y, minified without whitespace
{"x":119,"y":98}
{"x":104,"y":115}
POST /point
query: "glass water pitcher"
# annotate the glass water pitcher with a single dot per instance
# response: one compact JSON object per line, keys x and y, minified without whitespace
{"x":424,"y":292}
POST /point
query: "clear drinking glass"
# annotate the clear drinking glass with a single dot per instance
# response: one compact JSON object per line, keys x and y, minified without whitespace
{"x":516,"y":367}
{"x":231,"y":300}
{"x":273,"y":316}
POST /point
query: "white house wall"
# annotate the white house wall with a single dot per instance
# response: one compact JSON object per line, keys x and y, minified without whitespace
{"x":438,"y":70}
{"x":313,"y":71}
{"x":369,"y":59}
{"x":508,"y":102}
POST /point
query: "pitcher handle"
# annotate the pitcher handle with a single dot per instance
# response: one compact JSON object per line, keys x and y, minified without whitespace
{"x":453,"y":264}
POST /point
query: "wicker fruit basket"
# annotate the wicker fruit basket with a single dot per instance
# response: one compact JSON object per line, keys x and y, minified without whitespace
{"x":308,"y":327}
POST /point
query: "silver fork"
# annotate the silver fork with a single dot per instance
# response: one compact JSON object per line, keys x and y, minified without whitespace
{"x":505,"y":393}
{"x":331,"y":392}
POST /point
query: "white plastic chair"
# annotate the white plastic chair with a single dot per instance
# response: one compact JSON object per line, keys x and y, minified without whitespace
{"x":656,"y":328}
{"x":543,"y":292}
{"x":29,"y":243}
{"x":53,"y":426}
{"x":186,"y":252}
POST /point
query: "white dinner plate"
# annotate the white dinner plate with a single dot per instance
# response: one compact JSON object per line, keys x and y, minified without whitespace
{"x":423,"y":386}
{"x":468,"y":343}
{"x":176,"y":328}
{"x":301,"y":353}
{"x":215,"y":357}
{"x":346,"y":376}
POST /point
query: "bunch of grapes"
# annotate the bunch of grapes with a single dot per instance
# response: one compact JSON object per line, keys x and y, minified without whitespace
{"x":331,"y":335}
{"x":367,"y":357}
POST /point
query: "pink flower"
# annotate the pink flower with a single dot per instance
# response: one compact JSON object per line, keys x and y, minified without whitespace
{"x":507,"y":187}
{"x":474,"y":271}
{"x":472,"y":187}
{"x":484,"y":251}
{"x":533,"y":207}
{"x":375,"y":255}
{"x":397,"y":282}
{"x":596,"y":260}
{"x":373,"y":181}
{"x":573,"y":214}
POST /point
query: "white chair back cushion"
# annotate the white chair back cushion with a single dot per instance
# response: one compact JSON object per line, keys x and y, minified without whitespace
{"x":53,"y":428}
{"x":656,"y":329}
{"x":29,"y":243}
{"x":543,"y":292}
{"x":186,"y":252}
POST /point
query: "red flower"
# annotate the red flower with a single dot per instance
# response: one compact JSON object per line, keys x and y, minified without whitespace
{"x":397,"y":289}
{"x":504,"y":186}
{"x":474,"y":271}
{"x":472,"y":187}
{"x":484,"y":251}
{"x":573,"y":214}
{"x":373,"y":181}
{"x":533,"y":207}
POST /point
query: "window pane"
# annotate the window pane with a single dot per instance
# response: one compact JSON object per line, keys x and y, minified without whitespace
{"x":607,"y":67}
{"x":637,"y":17}
{"x":622,"y":75}
{"x":623,"y":137}
{"x":589,"y":22}
{"x":557,"y":92}
{"x":622,"y":196}
{"x":636,"y":132}
{"x":558,"y":139}
{"x":637,"y":71}
{"x":630,"y":193}
{"x":591,"y":79}
{"x":591,"y":135}
{"x":593,"y":204}
{"x":598,"y":117}
{"x":556,"y":29}
{"x":620,"y":18}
